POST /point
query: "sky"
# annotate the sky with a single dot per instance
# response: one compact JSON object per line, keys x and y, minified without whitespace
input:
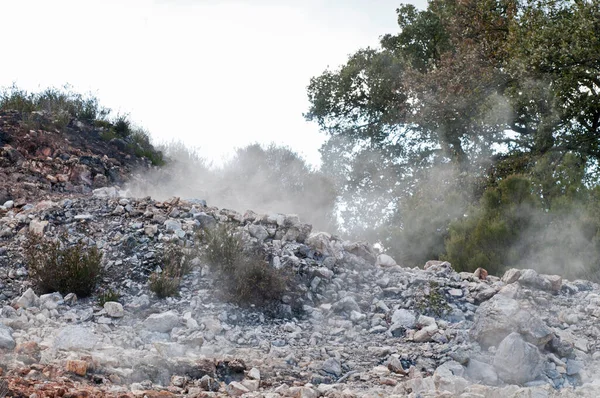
{"x":215,"y":74}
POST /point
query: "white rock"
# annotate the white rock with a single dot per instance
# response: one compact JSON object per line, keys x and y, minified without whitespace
{"x":254,"y":373}
{"x":114,"y":309}
{"x":404,"y":318}
{"x":385,"y":261}
{"x":28,"y":299}
{"x":75,"y":338}
{"x":163,"y":322}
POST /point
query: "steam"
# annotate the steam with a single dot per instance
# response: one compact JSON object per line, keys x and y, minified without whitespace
{"x":270,"y":179}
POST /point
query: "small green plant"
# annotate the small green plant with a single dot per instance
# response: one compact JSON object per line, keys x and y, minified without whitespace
{"x":55,"y":266}
{"x":244,"y":277}
{"x":122,"y":126}
{"x":108,"y":295}
{"x":432,"y":302}
{"x":224,"y":248}
{"x":164,"y":284}
{"x":175,"y":264}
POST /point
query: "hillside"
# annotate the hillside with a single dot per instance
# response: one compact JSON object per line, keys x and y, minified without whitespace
{"x":351,"y":322}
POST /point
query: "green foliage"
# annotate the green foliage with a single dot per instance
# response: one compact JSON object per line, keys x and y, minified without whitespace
{"x":63,"y":103}
{"x":224,"y":248}
{"x":245,"y":278}
{"x":164,"y":284}
{"x":56,"y":267}
{"x":108,"y":295}
{"x":431,"y":301}
{"x":122,"y":126}
{"x":548,"y":221}
{"x":175,"y":264}
{"x":492,"y":88}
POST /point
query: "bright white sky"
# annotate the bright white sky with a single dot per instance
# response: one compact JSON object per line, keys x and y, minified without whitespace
{"x":215,"y":74}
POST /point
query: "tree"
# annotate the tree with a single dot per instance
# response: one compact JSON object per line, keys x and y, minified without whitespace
{"x":487,"y":88}
{"x":276,"y":179}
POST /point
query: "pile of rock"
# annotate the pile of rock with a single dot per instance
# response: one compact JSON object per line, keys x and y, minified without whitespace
{"x":369,"y":327}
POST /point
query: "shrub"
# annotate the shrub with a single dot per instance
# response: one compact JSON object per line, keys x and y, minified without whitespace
{"x":432,"y":301}
{"x":122,"y":126}
{"x":245,"y":278}
{"x":108,"y":295}
{"x":224,"y":248}
{"x":57,"y":267}
{"x":164,"y":284}
{"x":175,"y":264}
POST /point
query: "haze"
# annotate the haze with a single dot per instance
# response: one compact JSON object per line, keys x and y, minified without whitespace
{"x":214,"y":74}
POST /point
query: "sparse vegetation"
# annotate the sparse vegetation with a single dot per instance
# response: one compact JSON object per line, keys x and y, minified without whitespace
{"x":63,"y":102}
{"x":244,"y":278}
{"x":55,"y":109}
{"x":55,"y":266}
{"x":165,"y":283}
{"x":174,"y":264}
{"x":108,"y":295}
{"x":432,"y":302}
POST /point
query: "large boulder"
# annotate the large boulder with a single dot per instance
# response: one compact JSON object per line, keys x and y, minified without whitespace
{"x":501,"y":315}
{"x":73,"y":338}
{"x":517,"y":361}
{"x":163,"y":322}
{"x":481,"y":372}
{"x":494,"y":320}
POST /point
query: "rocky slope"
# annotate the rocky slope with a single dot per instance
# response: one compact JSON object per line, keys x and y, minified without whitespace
{"x":363,"y":326}
{"x":39,"y":161}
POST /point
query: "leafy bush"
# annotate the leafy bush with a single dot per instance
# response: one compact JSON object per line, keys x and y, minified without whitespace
{"x":122,"y":126}
{"x":175,"y":264}
{"x":549,"y":221}
{"x":245,"y":278}
{"x":63,"y":102}
{"x":432,"y":302}
{"x":57,"y":267}
{"x":108,"y":295}
{"x":165,"y":284}
{"x":224,"y":248}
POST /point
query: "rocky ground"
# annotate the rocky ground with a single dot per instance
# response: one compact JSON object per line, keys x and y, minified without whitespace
{"x":38,"y":160}
{"x":357,"y":324}
{"x":367,"y":326}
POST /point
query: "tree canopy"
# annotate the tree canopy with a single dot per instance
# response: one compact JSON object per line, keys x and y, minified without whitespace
{"x":466,"y":94}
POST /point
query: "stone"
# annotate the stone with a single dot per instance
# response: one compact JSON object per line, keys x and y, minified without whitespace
{"x":172,"y":225}
{"x":6,"y":339}
{"x":480,"y":273}
{"x":114,"y":309}
{"x":76,"y":366}
{"x":404,"y":318}
{"x":254,"y":373}
{"x":517,"y":361}
{"x":74,"y":338}
{"x":207,"y":383}
{"x":105,"y":192}
{"x":530,"y":278}
{"x":163,"y":322}
{"x":511,"y":276}
{"x":347,"y":304}
{"x":27,"y":300}
{"x":494,"y":320}
{"x":50,"y":301}
{"x":481,"y":372}
{"x":258,"y":231}
{"x":332,"y":366}
{"x":384,"y":260}
{"x":236,"y":389}
{"x":38,"y":227}
{"x":574,"y":366}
